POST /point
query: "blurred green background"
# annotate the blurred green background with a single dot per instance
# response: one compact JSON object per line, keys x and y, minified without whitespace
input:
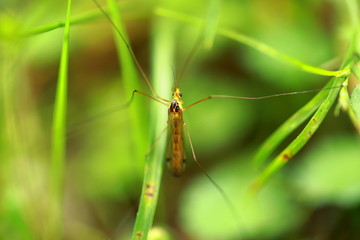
{"x":316,"y":196}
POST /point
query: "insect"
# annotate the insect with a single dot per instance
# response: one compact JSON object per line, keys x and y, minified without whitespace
{"x":104,"y":174}
{"x":176,"y":151}
{"x":176,"y":156}
{"x":177,"y":131}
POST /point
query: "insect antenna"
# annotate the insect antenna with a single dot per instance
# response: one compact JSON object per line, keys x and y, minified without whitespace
{"x":176,"y":83}
{"x":188,"y":60}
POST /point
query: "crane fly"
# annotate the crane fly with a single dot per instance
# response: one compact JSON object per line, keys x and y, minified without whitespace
{"x":176,"y":128}
{"x":176,"y":154}
{"x":176,"y":151}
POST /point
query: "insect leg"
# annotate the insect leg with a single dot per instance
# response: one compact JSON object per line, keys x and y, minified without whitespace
{"x":259,"y":98}
{"x":223,"y":194}
{"x":156,"y":140}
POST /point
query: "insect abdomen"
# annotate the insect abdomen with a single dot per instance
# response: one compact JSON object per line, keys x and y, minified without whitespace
{"x":176,"y":158}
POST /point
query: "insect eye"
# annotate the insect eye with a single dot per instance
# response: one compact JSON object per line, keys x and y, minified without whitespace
{"x":180,"y":94}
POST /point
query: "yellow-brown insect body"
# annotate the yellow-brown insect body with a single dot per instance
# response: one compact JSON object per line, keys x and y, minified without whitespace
{"x":176,"y":153}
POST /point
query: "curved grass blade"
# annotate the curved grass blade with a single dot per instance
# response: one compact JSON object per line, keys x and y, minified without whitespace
{"x":314,"y":123}
{"x":75,"y":20}
{"x":162,"y":56}
{"x":295,"y":146}
{"x":83,"y":18}
{"x":257,"y":45}
{"x":289,"y":126}
{"x":58,"y":150}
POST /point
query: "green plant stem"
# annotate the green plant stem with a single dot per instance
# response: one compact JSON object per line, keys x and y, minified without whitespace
{"x":302,"y":138}
{"x":314,"y":123}
{"x":83,"y":18}
{"x":289,"y":126}
{"x":58,"y":138}
{"x":257,"y":45}
{"x":163,"y":45}
{"x":131,"y":81}
{"x":212,"y":20}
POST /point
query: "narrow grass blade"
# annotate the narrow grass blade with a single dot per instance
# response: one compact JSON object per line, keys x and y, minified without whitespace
{"x":295,"y":146}
{"x":58,"y":138}
{"x":257,"y":45}
{"x":289,"y":126}
{"x":162,"y":57}
{"x":353,"y":8}
{"x":212,"y":20}
{"x":131,"y":82}
{"x":271,"y":52}
{"x":82,"y":18}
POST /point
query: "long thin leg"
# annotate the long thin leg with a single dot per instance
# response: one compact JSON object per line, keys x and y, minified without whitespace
{"x":230,"y":205}
{"x":147,"y":81}
{"x":75,"y":127}
{"x":189,"y":59}
{"x":158,"y":100}
{"x":257,"y":98}
{"x":156,"y":140}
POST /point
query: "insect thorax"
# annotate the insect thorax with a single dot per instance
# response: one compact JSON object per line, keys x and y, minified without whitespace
{"x":175,"y":109}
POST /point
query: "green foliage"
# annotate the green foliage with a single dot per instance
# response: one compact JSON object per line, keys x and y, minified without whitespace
{"x":249,"y":48}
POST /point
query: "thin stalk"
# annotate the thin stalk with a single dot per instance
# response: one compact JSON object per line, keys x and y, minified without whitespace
{"x":298,"y":118}
{"x":131,"y":81}
{"x":212,"y":21}
{"x":82,"y":18}
{"x":251,"y":42}
{"x":163,"y":44}
{"x":58,"y":138}
{"x":314,"y":123}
